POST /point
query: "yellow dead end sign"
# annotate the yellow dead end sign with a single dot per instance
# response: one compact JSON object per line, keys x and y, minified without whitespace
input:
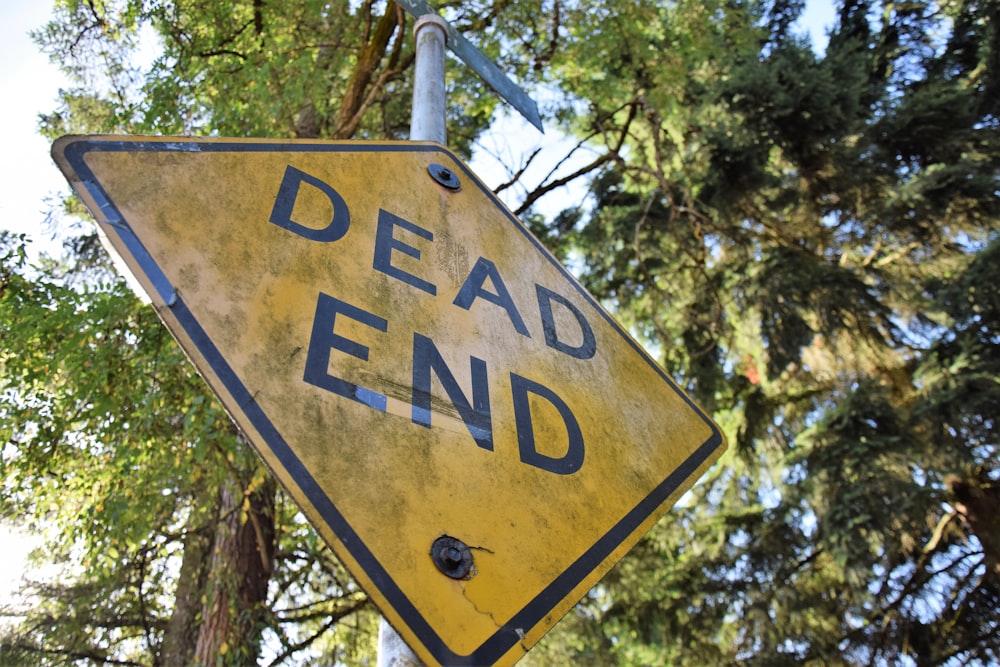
{"x":473,"y":434}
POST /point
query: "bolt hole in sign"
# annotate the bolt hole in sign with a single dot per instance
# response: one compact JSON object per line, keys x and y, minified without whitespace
{"x":476,"y":438}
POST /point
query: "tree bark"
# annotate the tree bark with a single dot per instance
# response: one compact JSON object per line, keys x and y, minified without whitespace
{"x":181,"y":634}
{"x":242,"y":559}
{"x":355,"y":101}
{"x":978,"y":502}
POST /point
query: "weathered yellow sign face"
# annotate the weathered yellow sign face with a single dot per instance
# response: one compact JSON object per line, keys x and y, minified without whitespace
{"x":472,"y":433}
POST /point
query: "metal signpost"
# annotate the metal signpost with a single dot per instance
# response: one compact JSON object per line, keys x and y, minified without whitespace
{"x":473,"y":434}
{"x":474,"y":58}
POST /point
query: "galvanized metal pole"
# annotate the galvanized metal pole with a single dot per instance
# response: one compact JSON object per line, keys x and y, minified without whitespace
{"x":481,"y":65}
{"x":392,"y":650}
{"x":427,"y":114}
{"x":426,"y":124}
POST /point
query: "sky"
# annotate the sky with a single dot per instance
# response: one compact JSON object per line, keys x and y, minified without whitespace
{"x":29,"y":86}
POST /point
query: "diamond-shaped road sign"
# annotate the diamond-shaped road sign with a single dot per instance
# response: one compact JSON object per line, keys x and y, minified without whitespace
{"x":477,"y":439}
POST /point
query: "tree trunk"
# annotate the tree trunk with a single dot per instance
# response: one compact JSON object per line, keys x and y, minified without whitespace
{"x":978,"y":501}
{"x":242,"y":557}
{"x":181,"y":634}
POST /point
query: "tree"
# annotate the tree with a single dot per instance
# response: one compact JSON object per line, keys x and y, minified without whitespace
{"x":808,"y":240}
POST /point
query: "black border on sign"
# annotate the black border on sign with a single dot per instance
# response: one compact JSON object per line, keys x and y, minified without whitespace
{"x":535,"y":611}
